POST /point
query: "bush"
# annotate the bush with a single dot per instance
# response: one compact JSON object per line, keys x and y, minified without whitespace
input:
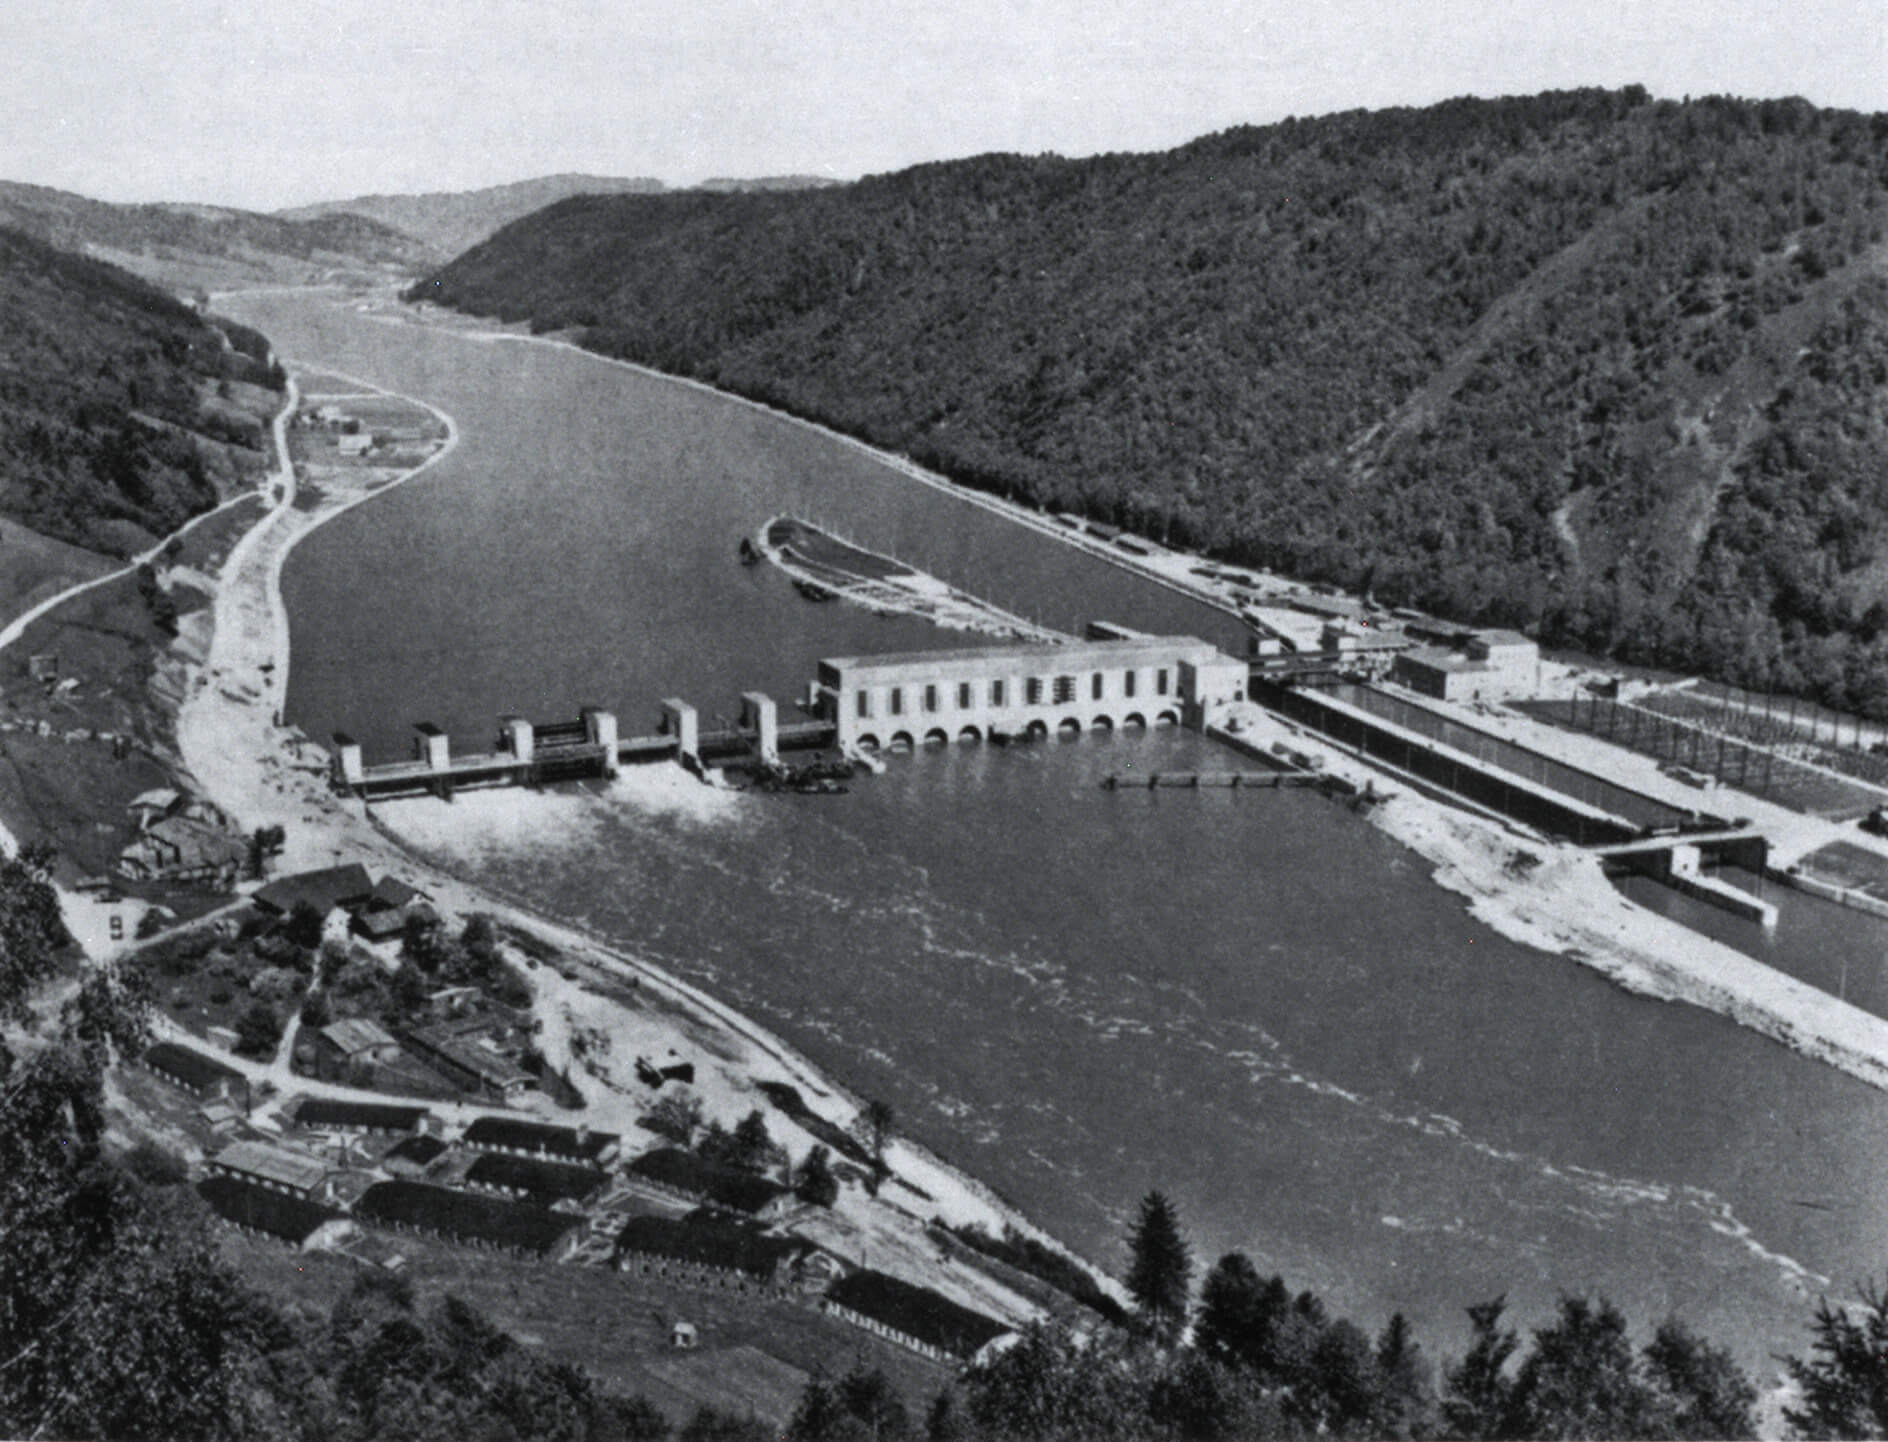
{"x":277,"y":984}
{"x":816,"y":1185}
{"x":676,"y":1116}
{"x":257,"y":1030}
{"x":333,"y":956}
{"x":174,"y":954}
{"x":155,"y":1166}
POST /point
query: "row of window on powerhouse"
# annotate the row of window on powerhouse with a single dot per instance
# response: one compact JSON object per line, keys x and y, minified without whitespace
{"x":1061,"y":691}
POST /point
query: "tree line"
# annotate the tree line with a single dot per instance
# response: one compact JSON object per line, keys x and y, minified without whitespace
{"x":1248,"y":1359}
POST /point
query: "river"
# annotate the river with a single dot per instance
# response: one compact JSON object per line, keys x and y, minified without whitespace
{"x":1253,"y":1001}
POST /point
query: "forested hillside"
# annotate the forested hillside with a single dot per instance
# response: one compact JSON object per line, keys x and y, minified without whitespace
{"x":1607,"y":368}
{"x":111,"y":429}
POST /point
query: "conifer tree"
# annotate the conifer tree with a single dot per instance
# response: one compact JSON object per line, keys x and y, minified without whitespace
{"x":1475,"y":1400}
{"x":1844,"y":1383}
{"x":1162,"y":1272}
{"x":1232,"y":1316}
{"x":1408,"y":1398}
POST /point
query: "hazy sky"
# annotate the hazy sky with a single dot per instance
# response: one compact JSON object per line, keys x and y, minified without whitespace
{"x":259,"y":104}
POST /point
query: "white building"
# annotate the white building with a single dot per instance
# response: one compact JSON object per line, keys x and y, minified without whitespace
{"x":970,"y":694}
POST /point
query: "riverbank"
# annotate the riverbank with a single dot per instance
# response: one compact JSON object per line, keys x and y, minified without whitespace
{"x":265,"y":774}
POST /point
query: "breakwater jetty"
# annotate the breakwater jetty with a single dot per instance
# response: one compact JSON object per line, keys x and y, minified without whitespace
{"x":824,"y":566}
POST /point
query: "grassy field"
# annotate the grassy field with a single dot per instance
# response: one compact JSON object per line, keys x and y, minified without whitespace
{"x":72,"y":794}
{"x":208,"y":545}
{"x":313,"y":385}
{"x":377,"y":412}
{"x":71,"y":784}
{"x":33,"y":567}
{"x":68,"y":787}
{"x":616,"y":1326}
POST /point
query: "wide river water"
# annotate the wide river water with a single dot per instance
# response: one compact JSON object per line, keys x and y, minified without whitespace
{"x":1253,"y":1001}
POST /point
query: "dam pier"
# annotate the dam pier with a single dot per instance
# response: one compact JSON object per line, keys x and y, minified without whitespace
{"x":535,"y":754}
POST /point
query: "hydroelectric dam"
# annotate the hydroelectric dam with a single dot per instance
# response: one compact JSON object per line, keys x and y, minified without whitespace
{"x":862,"y":703}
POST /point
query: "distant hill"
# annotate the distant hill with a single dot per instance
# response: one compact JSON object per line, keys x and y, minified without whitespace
{"x":189,"y":247}
{"x":724,"y":185}
{"x":452,"y":221}
{"x":111,"y":429}
{"x":1610,"y":369}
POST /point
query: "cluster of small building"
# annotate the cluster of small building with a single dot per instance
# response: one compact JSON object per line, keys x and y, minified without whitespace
{"x":352,"y":438}
{"x":348,"y":901}
{"x":541,"y":1191}
{"x":454,"y":1041}
{"x":184,"y":839}
{"x":1349,"y":636}
{"x":525,"y":1190}
{"x":481,"y":1053}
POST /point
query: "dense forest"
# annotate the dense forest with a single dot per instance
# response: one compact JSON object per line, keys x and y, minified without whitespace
{"x":107,"y":399}
{"x":1606,"y":368}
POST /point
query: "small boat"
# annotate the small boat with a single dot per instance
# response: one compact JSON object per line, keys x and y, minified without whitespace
{"x":816,"y":779}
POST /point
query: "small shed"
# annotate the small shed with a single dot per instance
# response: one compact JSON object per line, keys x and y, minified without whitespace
{"x":411,"y":1158}
{"x":683,"y":1337}
{"x":220,"y":1115}
{"x":153,"y":806}
{"x":351,"y":1040}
